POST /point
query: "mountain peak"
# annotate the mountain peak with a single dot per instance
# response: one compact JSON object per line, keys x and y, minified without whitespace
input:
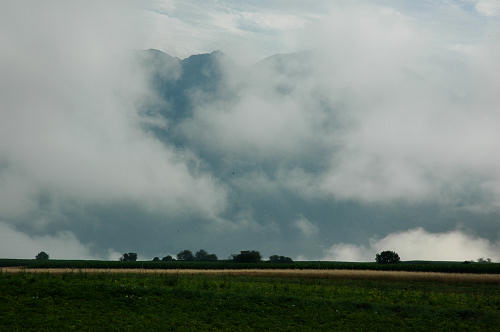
{"x":154,"y":53}
{"x":214,"y":54}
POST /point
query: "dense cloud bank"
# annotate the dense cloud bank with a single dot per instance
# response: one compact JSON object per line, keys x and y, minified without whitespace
{"x":379,"y":122}
{"x":416,"y":244}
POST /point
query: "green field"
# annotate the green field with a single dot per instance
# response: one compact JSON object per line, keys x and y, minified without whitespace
{"x":423,"y":266}
{"x":80,"y":301}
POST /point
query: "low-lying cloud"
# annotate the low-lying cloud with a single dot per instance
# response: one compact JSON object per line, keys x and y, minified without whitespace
{"x":379,"y":120}
{"x":306,"y":227}
{"x":71,"y":126}
{"x":62,"y":245}
{"x":418,"y":244}
{"x":394,"y":112}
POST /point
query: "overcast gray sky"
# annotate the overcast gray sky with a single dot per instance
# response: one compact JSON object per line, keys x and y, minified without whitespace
{"x":380,"y":131}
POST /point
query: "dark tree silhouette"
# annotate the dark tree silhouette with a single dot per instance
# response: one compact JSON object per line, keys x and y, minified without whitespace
{"x":211,"y":257}
{"x":42,"y":256}
{"x":168,"y":258}
{"x":185,"y":255}
{"x":156,"y":259}
{"x":280,"y":259}
{"x":202,"y":256}
{"x":129,"y":257}
{"x":387,"y":257}
{"x":247,"y":256}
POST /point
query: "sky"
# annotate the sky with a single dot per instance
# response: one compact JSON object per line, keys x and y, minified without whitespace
{"x":338,"y":129}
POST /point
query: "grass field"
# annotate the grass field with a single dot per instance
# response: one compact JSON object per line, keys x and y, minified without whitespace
{"x":154,"y":301}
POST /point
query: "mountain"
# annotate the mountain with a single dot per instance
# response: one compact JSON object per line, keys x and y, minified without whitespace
{"x":201,"y":77}
{"x":177,"y":81}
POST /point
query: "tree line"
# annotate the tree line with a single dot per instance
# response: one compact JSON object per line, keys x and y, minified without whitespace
{"x":245,"y":256}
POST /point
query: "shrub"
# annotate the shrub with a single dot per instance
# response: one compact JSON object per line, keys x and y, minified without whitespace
{"x":247,"y":256}
{"x":280,"y":259}
{"x":387,"y":257}
{"x":211,"y":257}
{"x":203,"y":256}
{"x":168,"y":258}
{"x":42,"y":256}
{"x":185,"y":255}
{"x":129,"y":257}
{"x":484,"y":260}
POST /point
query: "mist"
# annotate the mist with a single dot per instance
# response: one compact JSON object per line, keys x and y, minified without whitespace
{"x":327,"y":132}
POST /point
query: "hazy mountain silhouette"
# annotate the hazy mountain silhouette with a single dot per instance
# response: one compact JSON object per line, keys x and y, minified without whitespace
{"x":177,"y":82}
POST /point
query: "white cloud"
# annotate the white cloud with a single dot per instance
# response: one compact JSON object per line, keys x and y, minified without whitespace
{"x":254,"y":125}
{"x":388,"y":105}
{"x":347,"y":253}
{"x":306,"y":227}
{"x":409,"y":101}
{"x":488,"y":7}
{"x":186,"y":27}
{"x":418,"y":244}
{"x":63,"y":245}
{"x":70,"y":127}
{"x":400,"y":111}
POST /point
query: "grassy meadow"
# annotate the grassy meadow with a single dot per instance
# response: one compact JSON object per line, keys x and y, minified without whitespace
{"x":154,"y":301}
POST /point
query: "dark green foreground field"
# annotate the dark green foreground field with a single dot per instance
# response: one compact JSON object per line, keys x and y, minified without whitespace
{"x":204,"y":302}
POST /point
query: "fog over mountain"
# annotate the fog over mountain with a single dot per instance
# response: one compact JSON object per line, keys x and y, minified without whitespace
{"x":330,"y":132}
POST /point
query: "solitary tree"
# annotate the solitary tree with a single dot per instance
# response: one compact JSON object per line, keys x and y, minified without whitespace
{"x":185,"y":255}
{"x":42,"y":256}
{"x":247,"y":256}
{"x":280,"y":259}
{"x":129,"y":257}
{"x":387,"y":257}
